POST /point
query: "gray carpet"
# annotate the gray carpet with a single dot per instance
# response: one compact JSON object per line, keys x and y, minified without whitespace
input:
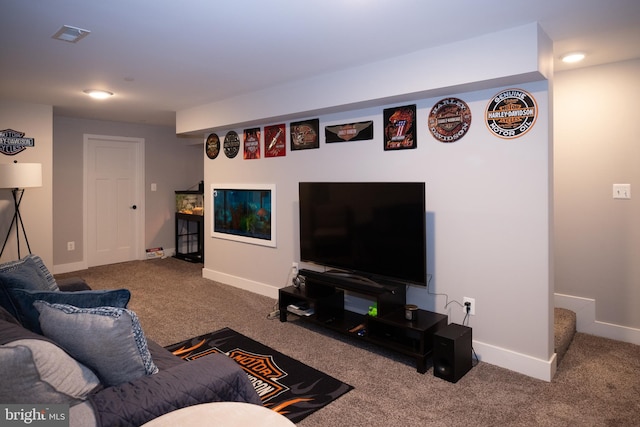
{"x":597,"y":383}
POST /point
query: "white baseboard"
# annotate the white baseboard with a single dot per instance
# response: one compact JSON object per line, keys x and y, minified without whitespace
{"x":518,"y":362}
{"x":83,"y":265}
{"x":585,"y":309}
{"x":242,"y":283}
{"x":68,"y":268}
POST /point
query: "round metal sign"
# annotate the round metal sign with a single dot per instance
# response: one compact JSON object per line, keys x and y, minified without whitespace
{"x":231,"y":144}
{"x":511,"y":113}
{"x":212,"y":147}
{"x":449,"y":119}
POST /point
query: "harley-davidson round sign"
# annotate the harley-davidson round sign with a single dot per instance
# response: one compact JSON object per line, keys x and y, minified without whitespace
{"x":231,"y":144}
{"x":511,"y":113}
{"x":449,"y":119}
{"x":212,"y":146}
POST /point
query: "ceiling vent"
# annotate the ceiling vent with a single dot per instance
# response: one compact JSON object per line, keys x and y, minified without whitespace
{"x":70,"y":34}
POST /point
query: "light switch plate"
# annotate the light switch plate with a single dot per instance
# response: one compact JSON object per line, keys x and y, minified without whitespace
{"x":621,"y":191}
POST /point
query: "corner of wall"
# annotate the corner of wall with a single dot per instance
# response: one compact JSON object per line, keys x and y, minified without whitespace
{"x":518,"y":362}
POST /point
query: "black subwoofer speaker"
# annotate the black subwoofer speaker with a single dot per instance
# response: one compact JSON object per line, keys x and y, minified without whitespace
{"x":452,"y":352}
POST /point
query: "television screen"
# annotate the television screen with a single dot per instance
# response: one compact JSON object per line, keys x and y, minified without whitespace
{"x":371,"y":229}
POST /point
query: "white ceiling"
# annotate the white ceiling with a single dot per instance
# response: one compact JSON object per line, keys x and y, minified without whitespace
{"x":160,"y":56}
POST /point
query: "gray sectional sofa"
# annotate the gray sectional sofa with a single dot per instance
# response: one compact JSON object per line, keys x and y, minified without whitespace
{"x":63,"y":343}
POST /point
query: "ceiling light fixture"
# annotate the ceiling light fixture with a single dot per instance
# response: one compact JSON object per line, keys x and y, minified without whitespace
{"x":98,"y":94}
{"x":573,"y":57}
{"x":70,"y":34}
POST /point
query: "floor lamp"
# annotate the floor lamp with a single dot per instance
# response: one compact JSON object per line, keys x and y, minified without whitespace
{"x":17,"y":177}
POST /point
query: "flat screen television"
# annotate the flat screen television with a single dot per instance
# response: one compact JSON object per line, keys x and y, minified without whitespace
{"x":371,"y":230}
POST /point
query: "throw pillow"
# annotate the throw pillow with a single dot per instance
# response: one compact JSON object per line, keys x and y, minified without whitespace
{"x":39,"y":371}
{"x":44,"y":272}
{"x":29,"y":317}
{"x":28,"y":273}
{"x":109,"y":340}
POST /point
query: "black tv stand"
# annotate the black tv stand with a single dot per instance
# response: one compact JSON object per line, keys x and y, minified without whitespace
{"x":324,"y":294}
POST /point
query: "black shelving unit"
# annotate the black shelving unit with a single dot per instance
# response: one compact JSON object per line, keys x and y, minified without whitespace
{"x":390,"y":329}
{"x":190,"y":237}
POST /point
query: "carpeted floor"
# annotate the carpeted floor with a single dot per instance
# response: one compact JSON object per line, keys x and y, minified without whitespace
{"x":597,"y":383}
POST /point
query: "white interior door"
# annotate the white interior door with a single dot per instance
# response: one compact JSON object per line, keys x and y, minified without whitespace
{"x":114,"y":196}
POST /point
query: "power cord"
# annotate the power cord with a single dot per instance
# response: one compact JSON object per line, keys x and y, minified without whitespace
{"x":475,"y":356}
{"x":466,"y":320}
{"x":275,"y":313}
{"x":447,"y":302}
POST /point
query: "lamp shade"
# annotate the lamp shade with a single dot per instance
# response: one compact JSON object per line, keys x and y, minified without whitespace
{"x":20,"y":175}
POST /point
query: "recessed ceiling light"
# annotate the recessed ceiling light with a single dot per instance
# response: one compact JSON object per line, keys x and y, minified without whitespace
{"x":573,"y":57}
{"x":98,"y":94}
{"x":70,"y":34}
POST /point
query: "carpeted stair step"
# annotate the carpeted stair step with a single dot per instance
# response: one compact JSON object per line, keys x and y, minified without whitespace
{"x":565,"y":329}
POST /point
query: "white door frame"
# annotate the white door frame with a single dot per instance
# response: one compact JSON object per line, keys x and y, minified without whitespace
{"x":140,"y":191}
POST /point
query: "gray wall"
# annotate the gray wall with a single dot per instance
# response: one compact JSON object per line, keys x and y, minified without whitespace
{"x":173,"y":163}
{"x":35,"y":120}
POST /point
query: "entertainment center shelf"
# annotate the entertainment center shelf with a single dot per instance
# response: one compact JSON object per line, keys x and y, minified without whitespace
{"x":323,"y":294}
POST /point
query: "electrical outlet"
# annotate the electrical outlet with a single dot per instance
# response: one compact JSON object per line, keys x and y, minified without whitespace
{"x":294,"y":267}
{"x":71,"y":246}
{"x":472,"y":307}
